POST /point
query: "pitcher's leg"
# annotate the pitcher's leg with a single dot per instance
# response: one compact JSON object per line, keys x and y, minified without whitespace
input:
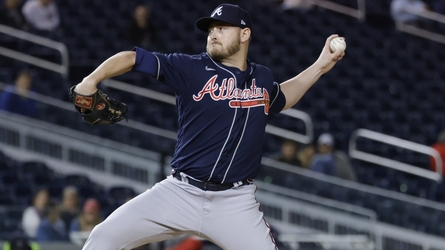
{"x":152,"y":216}
{"x":236,"y":223}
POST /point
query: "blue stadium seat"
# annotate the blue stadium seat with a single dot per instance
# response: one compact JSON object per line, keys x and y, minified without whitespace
{"x":23,"y":194}
{"x":89,"y":191}
{"x":40,"y":179}
{"x":10,"y":220}
{"x":76,"y":180}
{"x":121,"y":193}
{"x":6,"y":198}
{"x":9,"y":178}
{"x":439,"y":191}
{"x":34,"y":167}
{"x":55,"y":188}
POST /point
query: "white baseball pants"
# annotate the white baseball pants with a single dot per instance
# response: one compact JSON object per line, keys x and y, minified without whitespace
{"x":231,"y":219}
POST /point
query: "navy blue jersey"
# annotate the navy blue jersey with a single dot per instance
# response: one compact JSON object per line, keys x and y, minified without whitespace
{"x":222,"y":113}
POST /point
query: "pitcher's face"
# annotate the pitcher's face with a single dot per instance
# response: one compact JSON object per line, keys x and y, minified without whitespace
{"x":223,"y":40}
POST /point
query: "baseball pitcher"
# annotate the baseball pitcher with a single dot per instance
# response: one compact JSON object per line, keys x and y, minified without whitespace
{"x":223,"y":102}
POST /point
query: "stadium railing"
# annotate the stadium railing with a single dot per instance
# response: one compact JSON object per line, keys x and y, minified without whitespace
{"x":397,"y":142}
{"x":421,"y":32}
{"x":359,"y":13}
{"x":61,"y":68}
{"x":18,"y":135}
{"x":393,"y":195}
{"x":265,"y":161}
{"x":26,"y":138}
{"x":329,"y":241}
{"x":305,"y":138}
{"x":284,"y":206}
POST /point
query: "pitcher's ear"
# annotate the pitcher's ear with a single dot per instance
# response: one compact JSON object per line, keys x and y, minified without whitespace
{"x":245,"y":34}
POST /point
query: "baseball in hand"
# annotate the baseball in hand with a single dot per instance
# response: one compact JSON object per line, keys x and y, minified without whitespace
{"x":337,"y":43}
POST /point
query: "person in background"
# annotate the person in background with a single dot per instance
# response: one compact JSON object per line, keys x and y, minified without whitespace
{"x":16,"y":98}
{"x":51,"y":228}
{"x":32,"y":215}
{"x":69,"y":208}
{"x":141,"y":31}
{"x":340,"y":167}
{"x":323,"y":161}
{"x":216,"y":91}
{"x":302,"y":5}
{"x":400,"y":13}
{"x":439,"y":146}
{"x":288,"y":153}
{"x":42,"y":15}
{"x":89,"y":218}
{"x":343,"y":165}
{"x":11,"y":15}
{"x":305,"y":155}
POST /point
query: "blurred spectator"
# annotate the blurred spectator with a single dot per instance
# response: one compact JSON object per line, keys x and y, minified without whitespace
{"x":288,"y":153}
{"x":343,"y":165}
{"x":305,"y":155}
{"x":303,"y":5}
{"x":15,"y":98}
{"x":439,"y":146}
{"x":88,"y":219}
{"x":140,"y":31}
{"x":42,"y":15}
{"x":32,"y":215}
{"x":323,"y":161}
{"x":332,"y":161}
{"x":69,"y":208}
{"x":20,"y":242}
{"x":51,"y":228}
{"x":11,"y":14}
{"x":399,"y":11}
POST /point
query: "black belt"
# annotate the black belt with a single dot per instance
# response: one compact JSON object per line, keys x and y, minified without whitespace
{"x":209,"y":185}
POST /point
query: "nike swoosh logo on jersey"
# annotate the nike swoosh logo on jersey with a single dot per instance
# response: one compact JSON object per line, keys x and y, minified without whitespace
{"x":210,"y":69}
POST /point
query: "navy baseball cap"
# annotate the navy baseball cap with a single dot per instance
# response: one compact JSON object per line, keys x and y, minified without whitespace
{"x":228,"y":13}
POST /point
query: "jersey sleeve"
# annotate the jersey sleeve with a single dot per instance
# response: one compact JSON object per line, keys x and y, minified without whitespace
{"x":277,"y":99}
{"x":146,"y":63}
{"x":172,"y":69}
